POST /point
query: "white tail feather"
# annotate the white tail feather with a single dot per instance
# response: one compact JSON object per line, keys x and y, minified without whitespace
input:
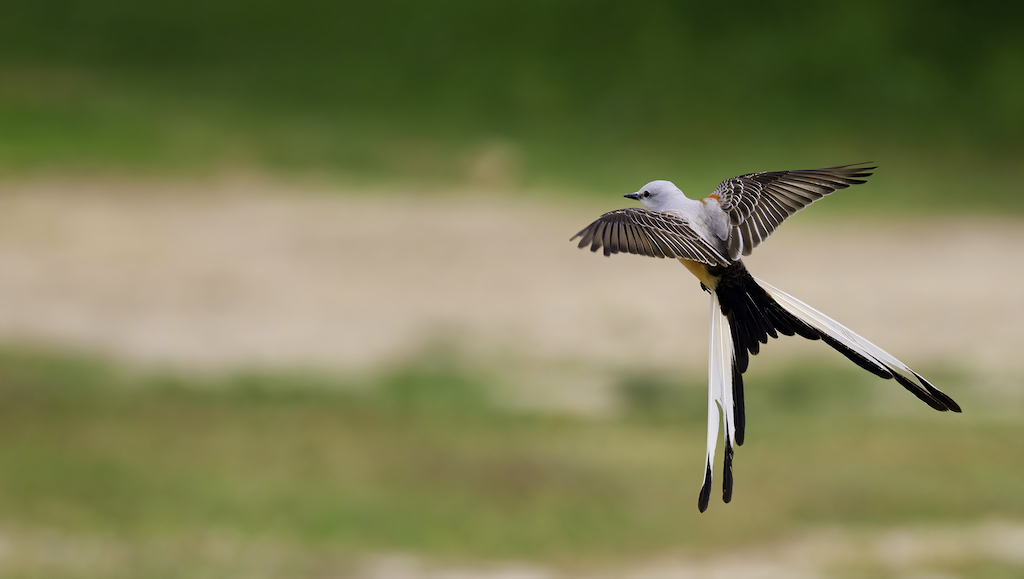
{"x":876,"y":359}
{"x":884,"y":364}
{"x":839,"y":332}
{"x":722,"y":372}
{"x":720,"y":397}
{"x":714,"y":378}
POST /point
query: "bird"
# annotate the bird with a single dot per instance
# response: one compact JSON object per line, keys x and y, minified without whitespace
{"x":710,"y":236}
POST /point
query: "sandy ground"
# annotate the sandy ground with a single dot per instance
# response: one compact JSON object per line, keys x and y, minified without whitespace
{"x":242,"y":273}
{"x":902,"y":552}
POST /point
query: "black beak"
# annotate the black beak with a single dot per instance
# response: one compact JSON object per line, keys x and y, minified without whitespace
{"x":631,"y":196}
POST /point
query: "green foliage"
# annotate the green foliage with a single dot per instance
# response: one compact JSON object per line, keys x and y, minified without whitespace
{"x":660,"y":397}
{"x":592,"y":95}
{"x":437,"y":386}
{"x":813,"y":388}
{"x":805,"y":389}
{"x":420,"y":459}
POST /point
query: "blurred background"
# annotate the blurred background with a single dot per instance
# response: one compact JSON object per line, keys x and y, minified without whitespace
{"x":286,"y":289}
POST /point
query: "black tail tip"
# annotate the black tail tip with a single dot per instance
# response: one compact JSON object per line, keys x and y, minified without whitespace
{"x":727,"y":475}
{"x":705,"y":491}
{"x":943,"y":398}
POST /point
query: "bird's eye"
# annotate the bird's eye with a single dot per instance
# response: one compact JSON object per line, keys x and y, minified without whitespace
{"x":647,"y":193}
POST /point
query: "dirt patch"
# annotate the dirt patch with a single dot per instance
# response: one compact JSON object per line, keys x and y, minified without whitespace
{"x":246,"y":273}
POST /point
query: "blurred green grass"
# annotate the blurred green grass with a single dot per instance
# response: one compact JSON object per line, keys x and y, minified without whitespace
{"x":422,"y":459}
{"x":569,"y":95}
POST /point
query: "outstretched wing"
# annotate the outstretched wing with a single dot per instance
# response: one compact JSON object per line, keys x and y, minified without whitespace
{"x":650,"y":233}
{"x":757,"y":203}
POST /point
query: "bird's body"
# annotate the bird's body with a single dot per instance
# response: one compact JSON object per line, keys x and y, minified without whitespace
{"x":709,"y":236}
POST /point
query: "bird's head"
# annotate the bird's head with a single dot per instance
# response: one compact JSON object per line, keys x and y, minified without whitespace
{"x":656,"y":195}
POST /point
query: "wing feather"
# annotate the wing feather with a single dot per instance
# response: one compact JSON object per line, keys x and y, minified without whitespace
{"x":650,"y":233}
{"x":629,"y":240}
{"x":595,"y":237}
{"x":647,"y":246}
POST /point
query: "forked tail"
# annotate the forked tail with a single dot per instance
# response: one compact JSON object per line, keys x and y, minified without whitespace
{"x":751,"y":311}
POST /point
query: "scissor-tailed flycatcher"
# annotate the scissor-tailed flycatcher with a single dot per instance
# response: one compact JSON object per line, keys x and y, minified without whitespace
{"x":708,"y":236}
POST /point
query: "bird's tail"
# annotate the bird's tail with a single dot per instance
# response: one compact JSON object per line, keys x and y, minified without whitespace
{"x":751,"y":311}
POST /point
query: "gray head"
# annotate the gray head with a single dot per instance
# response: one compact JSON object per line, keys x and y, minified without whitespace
{"x":657,"y":195}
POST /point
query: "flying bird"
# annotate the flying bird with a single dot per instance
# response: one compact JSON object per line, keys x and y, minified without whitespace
{"x":709,"y":236}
